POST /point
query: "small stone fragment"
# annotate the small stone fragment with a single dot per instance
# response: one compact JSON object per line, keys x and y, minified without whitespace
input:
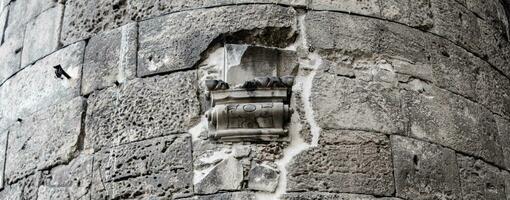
{"x":227,"y":175}
{"x":263,"y":178}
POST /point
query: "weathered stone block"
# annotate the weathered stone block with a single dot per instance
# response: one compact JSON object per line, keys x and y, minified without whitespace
{"x":42,"y":35}
{"x":416,"y":14}
{"x":346,"y":103}
{"x":71,"y":181}
{"x":226,"y":176}
{"x":493,"y":91}
{"x":3,"y":148}
{"x":23,"y":189}
{"x":480,"y":180}
{"x":21,"y":12}
{"x":110,"y":58}
{"x":424,"y":170}
{"x":43,"y":140}
{"x":38,"y":87}
{"x":344,"y":161}
{"x":155,"y":168}
{"x":504,"y":138}
{"x":441,"y":117}
{"x":363,"y":7}
{"x":223,"y":196}
{"x":10,"y":51}
{"x":331,"y":196}
{"x":141,"y":109}
{"x":176,"y":41}
{"x":3,"y":20}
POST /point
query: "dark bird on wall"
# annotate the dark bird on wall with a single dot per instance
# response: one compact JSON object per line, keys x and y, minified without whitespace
{"x":59,"y":72}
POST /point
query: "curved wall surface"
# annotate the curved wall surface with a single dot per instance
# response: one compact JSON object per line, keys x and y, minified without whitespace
{"x":392,"y":99}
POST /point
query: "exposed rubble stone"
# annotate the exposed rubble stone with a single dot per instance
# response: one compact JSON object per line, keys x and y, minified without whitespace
{"x":71,"y":181}
{"x":331,"y":196}
{"x":225,"y":176}
{"x":344,"y":161}
{"x":480,"y":180}
{"x":159,"y":168}
{"x":424,"y":170}
{"x":42,"y":35}
{"x":441,"y":117}
{"x":110,"y":58}
{"x":353,"y":104}
{"x":142,"y":109}
{"x":43,"y":140}
{"x":37,"y":86}
{"x":263,"y":178}
{"x":176,"y":41}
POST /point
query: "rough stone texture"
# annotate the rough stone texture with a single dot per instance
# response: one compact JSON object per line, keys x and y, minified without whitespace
{"x":412,"y":13}
{"x":21,"y":12}
{"x":85,"y":18}
{"x":3,"y":148}
{"x":441,"y":117}
{"x":45,"y":139}
{"x":353,"y":104}
{"x":3,"y":21}
{"x":424,"y":170}
{"x":10,"y":52}
{"x":22,"y":190}
{"x":110,"y":58}
{"x":504,"y":138}
{"x":142,"y":109}
{"x":331,"y":196}
{"x":506,"y":177}
{"x":159,"y":168}
{"x":42,"y":35}
{"x":226,"y":176}
{"x":480,"y":180}
{"x":263,"y":178}
{"x":36,"y":87}
{"x":71,"y":181}
{"x":176,"y":41}
{"x":363,"y":7}
{"x":344,"y":161}
{"x":223,"y":196}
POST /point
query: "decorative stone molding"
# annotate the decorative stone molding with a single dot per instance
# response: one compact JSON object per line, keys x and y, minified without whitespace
{"x":257,"y":110}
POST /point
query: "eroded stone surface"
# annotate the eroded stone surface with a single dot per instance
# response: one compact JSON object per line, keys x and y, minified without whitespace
{"x":176,"y":41}
{"x":480,"y":180}
{"x":110,"y":58}
{"x":10,"y":51}
{"x":331,"y":196}
{"x":37,"y":87}
{"x":363,"y":7}
{"x":263,"y":178}
{"x":344,"y":161}
{"x":22,"y":190}
{"x":42,"y":35}
{"x":412,"y":13}
{"x":71,"y":181}
{"x":225,"y":176}
{"x":424,"y":170}
{"x":441,"y":117}
{"x":21,"y":12}
{"x":141,"y":109}
{"x":3,"y":147}
{"x":43,"y":140}
{"x":159,"y":168}
{"x":223,"y":196}
{"x":504,"y":138}
{"x":3,"y":20}
{"x":347,"y":103}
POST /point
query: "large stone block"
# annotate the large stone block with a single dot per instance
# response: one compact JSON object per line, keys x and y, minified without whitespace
{"x":353,"y":104}
{"x":37,"y":86}
{"x":142,"y":109}
{"x":424,"y":170}
{"x":42,"y":35}
{"x":83,"y":19}
{"x":344,"y":161}
{"x":224,"y":196}
{"x":441,"y":117}
{"x":10,"y":51}
{"x":68,"y":182}
{"x":504,"y":138}
{"x":159,"y":168}
{"x":480,"y":180}
{"x":413,"y":13}
{"x":21,"y":12}
{"x":110,"y":58}
{"x":176,"y":41}
{"x":363,"y":7}
{"x":493,"y":91}
{"x":331,"y":196}
{"x":45,"y":139}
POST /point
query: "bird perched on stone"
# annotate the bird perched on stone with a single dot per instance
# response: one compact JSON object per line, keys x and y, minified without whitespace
{"x":59,"y":72}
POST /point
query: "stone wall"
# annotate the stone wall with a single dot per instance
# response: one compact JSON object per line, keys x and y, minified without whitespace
{"x":394,"y":99}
